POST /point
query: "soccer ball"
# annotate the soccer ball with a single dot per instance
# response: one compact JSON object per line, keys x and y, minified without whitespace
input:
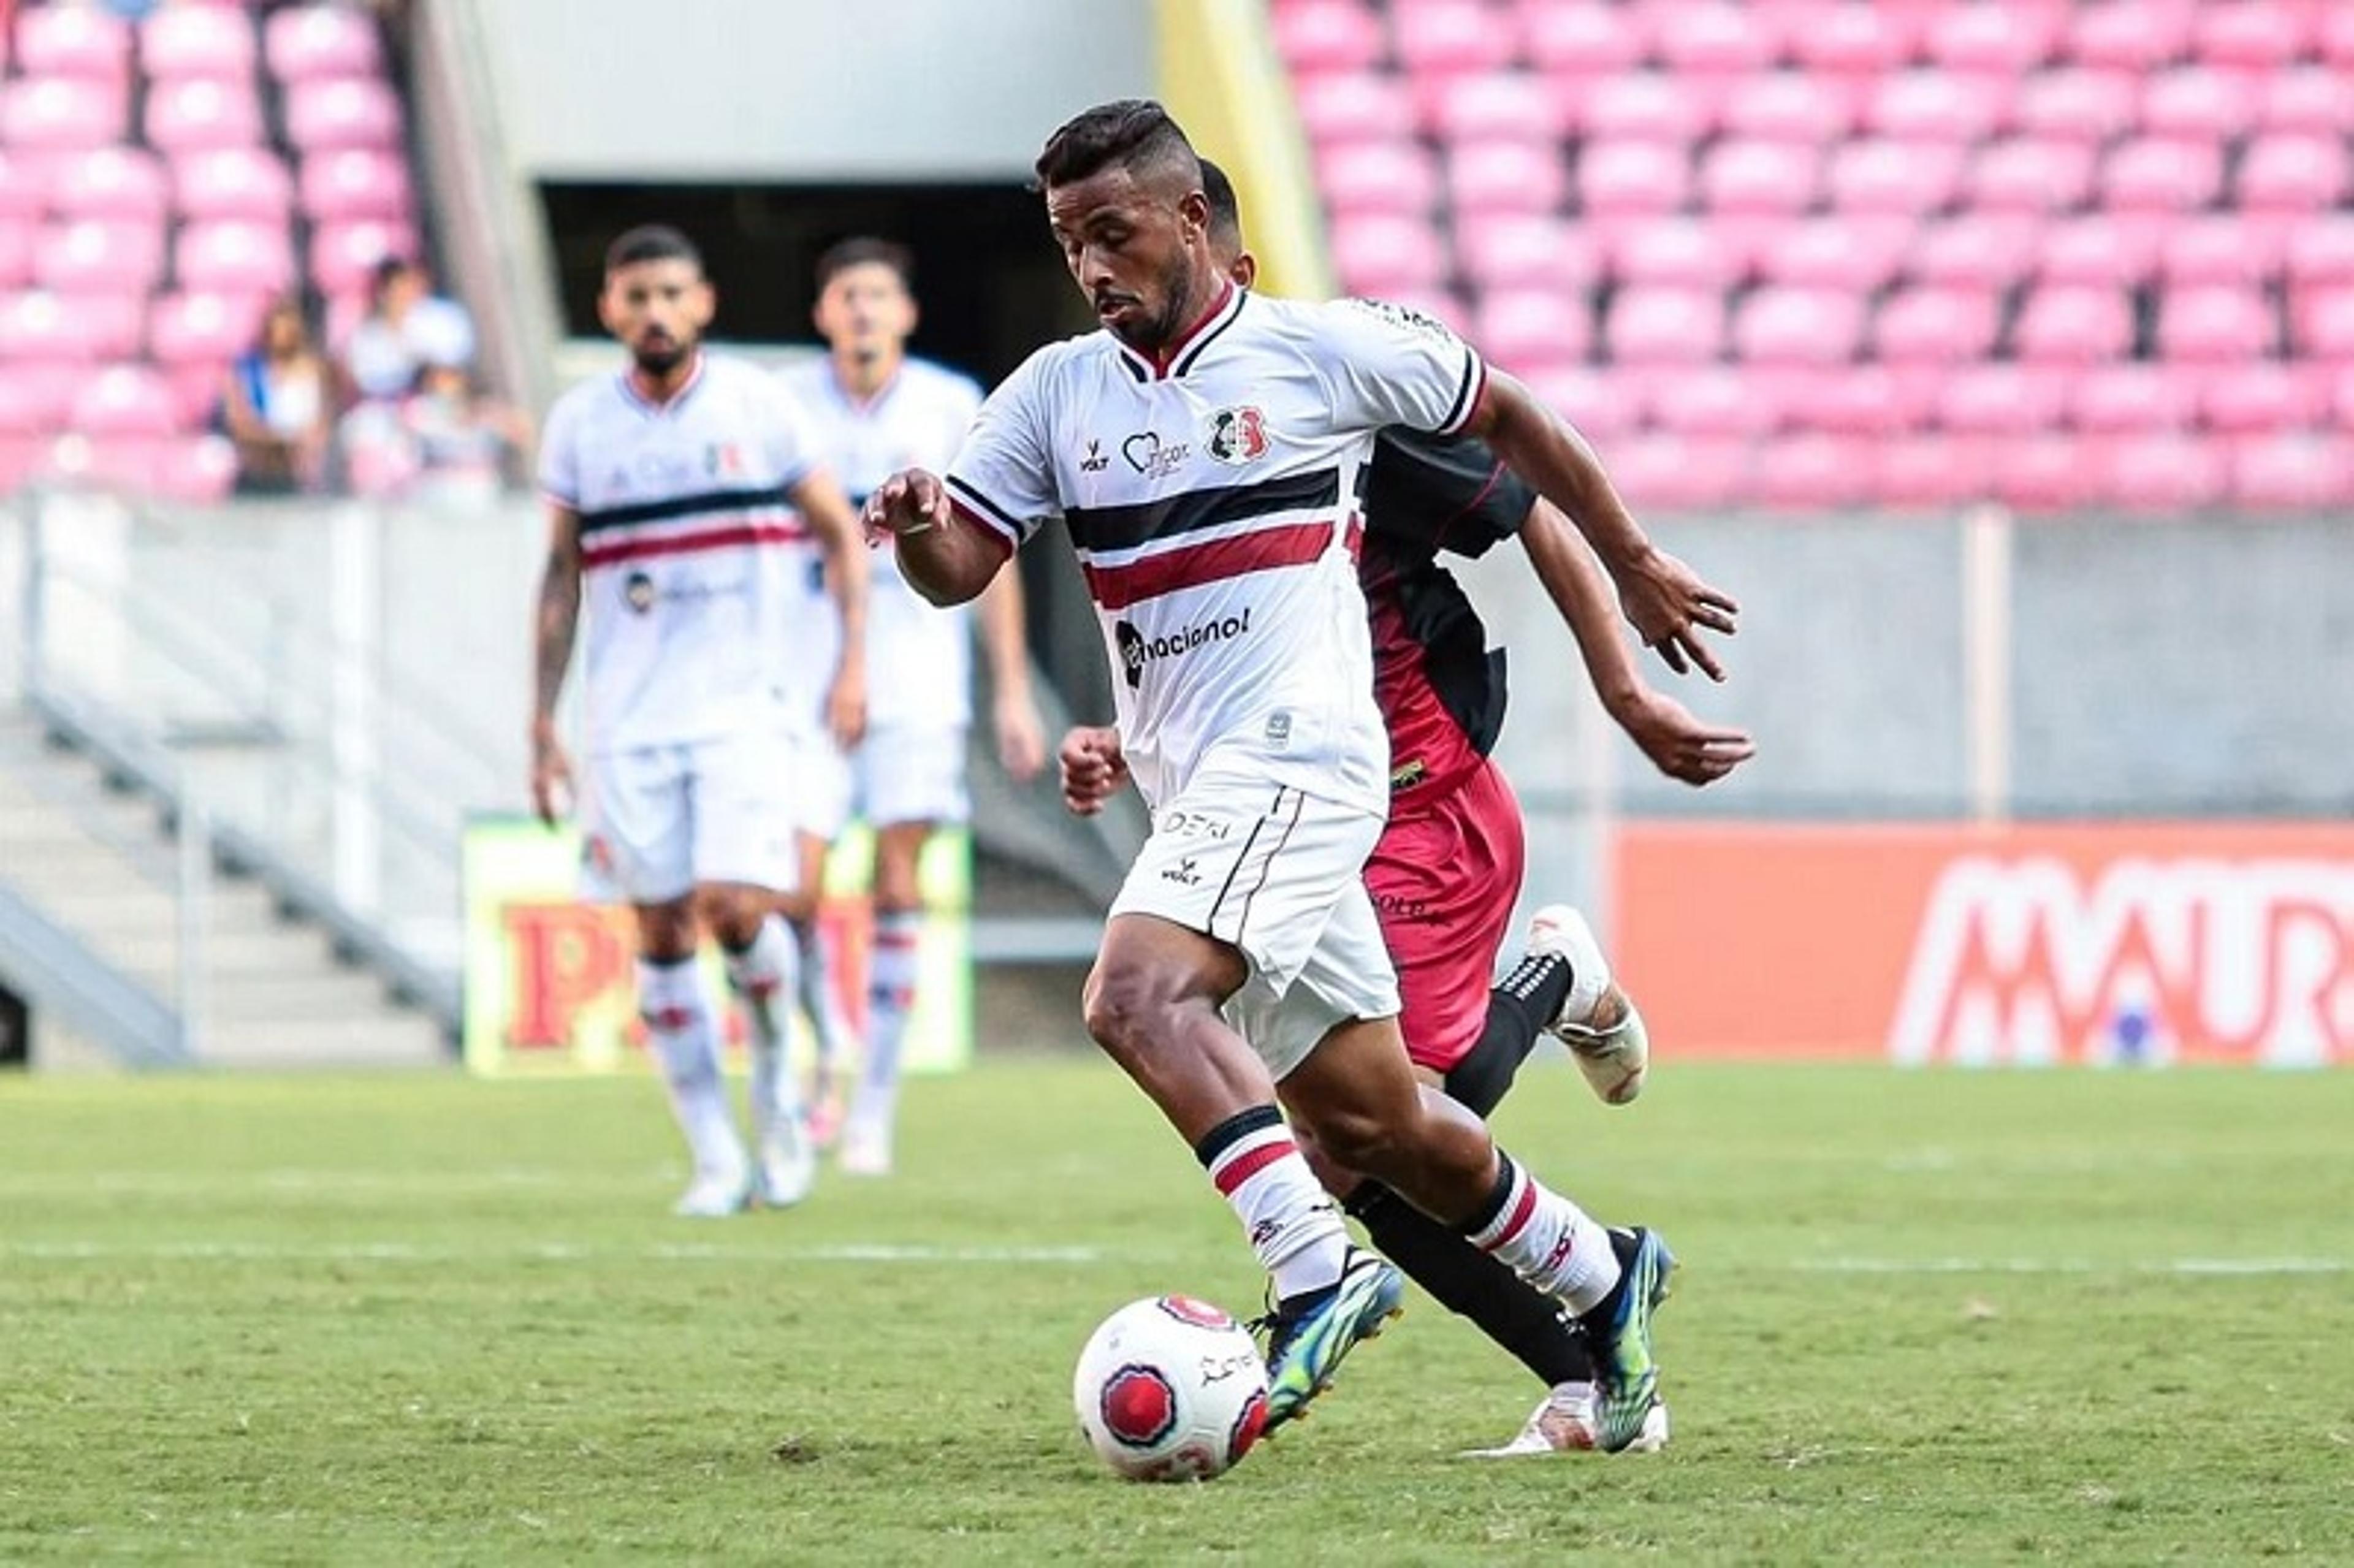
{"x":1170,"y":1389}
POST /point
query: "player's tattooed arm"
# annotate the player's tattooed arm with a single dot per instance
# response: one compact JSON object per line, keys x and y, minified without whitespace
{"x":556,"y":623}
{"x":820,"y":501}
{"x":1677,"y":744}
{"x":944,"y":557}
{"x":1665,"y":599}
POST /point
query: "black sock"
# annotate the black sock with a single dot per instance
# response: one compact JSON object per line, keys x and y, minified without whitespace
{"x":1518,"y":1011}
{"x":1469,"y":1282}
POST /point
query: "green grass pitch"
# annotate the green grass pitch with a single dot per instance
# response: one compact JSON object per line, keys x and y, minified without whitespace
{"x":1927,"y":1318}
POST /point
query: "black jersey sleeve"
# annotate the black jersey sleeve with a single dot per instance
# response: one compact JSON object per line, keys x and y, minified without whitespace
{"x":1427,"y":493}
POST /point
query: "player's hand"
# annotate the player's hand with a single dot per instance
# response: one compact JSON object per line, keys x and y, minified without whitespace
{"x":1669,"y":606}
{"x":1094,"y":770}
{"x":551,"y":776}
{"x":1021,"y":739}
{"x":1678,"y":744}
{"x":846,"y":706}
{"x":910,"y":502}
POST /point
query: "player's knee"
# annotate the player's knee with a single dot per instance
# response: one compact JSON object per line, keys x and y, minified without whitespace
{"x":732,"y":915}
{"x":1126,"y":1006}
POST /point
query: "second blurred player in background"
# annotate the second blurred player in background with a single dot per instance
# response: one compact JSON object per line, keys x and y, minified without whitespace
{"x":876,"y":409}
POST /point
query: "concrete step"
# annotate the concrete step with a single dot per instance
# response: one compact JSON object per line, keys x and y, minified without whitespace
{"x":388,"y":1039}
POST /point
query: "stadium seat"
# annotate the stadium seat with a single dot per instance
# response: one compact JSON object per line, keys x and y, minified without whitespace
{"x":2112,"y":249}
{"x":2321,"y":250}
{"x":17,"y":239}
{"x":126,"y":400}
{"x":100,"y":256}
{"x":2212,"y":324}
{"x":43,"y":327}
{"x":2334,"y":35}
{"x":1583,"y":38}
{"x":230,"y":256}
{"x":2307,"y":100}
{"x":1588,"y":399}
{"x":1988,"y":251}
{"x":196,"y":386}
{"x":2108,"y":400}
{"x":2075,"y":103}
{"x":323,"y":115}
{"x":343,"y":255}
{"x":192,"y":115}
{"x":1790,"y":325}
{"x":1933,"y":471}
{"x":197,"y":470}
{"x":1790,"y":106}
{"x":1678,"y":251}
{"x":2037,"y":175}
{"x":1360,"y":105}
{"x":1865,"y":399}
{"x":2130,"y":35}
{"x":1508,"y":175}
{"x":321,"y":42}
{"x":1889,"y":177}
{"x":1521,"y":327}
{"x":2260,"y":35}
{"x":2268,"y":395}
{"x":1444,"y":37}
{"x":1670,"y":472}
{"x":1500,"y":106}
{"x":1938,"y":106}
{"x":1633,"y":176}
{"x":2008,"y":39}
{"x":1995,"y":398}
{"x":2074,"y":324}
{"x":2198,"y":103}
{"x":206,"y":329}
{"x":235,"y":181}
{"x":2174,"y":174}
{"x":2291,"y":471}
{"x":2161,"y":472}
{"x":2038,"y":472}
{"x":2323,"y":318}
{"x":213,"y":41}
{"x":23,"y":188}
{"x":1661,"y":325}
{"x":1759,"y":176}
{"x":2224,"y":247}
{"x":1355,"y":177}
{"x":1705,"y":400}
{"x":62,"y":114}
{"x":1507,"y":249}
{"x":1860,"y":254}
{"x":1313,"y":36}
{"x":109,"y":182}
{"x":1643,"y":106}
{"x":37,"y":395}
{"x":2294,"y":174}
{"x":1374,"y":253}
{"x":1809,"y":470}
{"x":1713,"y":38}
{"x":72,"y":43}
{"x":1938,"y":325}
{"x":1844,"y":37}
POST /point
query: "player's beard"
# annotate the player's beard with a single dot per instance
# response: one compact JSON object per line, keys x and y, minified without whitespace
{"x":658,"y":362}
{"x":1170,"y":320}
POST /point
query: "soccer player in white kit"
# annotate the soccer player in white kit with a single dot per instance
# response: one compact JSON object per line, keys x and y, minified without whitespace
{"x":876,"y":409}
{"x":1205,"y":450}
{"x":682,"y":496}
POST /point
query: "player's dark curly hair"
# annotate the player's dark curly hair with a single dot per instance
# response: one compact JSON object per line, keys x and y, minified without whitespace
{"x":1134,"y":132}
{"x":651,"y":242}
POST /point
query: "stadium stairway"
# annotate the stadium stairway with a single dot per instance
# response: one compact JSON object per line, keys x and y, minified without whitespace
{"x":101,"y":864}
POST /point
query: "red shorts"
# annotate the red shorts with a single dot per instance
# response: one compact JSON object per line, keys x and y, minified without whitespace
{"x":1444,"y":879}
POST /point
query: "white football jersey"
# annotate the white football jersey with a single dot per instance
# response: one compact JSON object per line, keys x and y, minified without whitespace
{"x":918,"y":656}
{"x":692,"y":555}
{"x":1211,"y":494}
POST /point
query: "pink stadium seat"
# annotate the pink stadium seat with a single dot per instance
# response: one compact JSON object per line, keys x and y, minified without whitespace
{"x":1809,"y":470}
{"x":2111,"y":398}
{"x":2334,"y":36}
{"x":82,"y":329}
{"x":1363,"y":105}
{"x":72,"y":42}
{"x":1633,"y":176}
{"x":201,"y":113}
{"x":2324,"y":321}
{"x":109,"y":182}
{"x":1680,"y":252}
{"x":2250,"y":33}
{"x":1440,"y":37}
{"x":2076,"y":324}
{"x":2039,"y":472}
{"x":2268,"y":395}
{"x":1665,"y":326}
{"x":126,"y":400}
{"x":355,"y":183}
{"x":202,"y":328}
{"x":197,"y":470}
{"x":2214,"y":325}
{"x":235,"y":181}
{"x":1859,"y":254}
{"x":230,"y":256}
{"x":21,"y":458}
{"x":1643,"y":106}
{"x":1851,"y":37}
{"x":305,"y":43}
{"x":1355,"y":177}
{"x":1886,"y":176}
{"x":2225,"y":248}
{"x":2296,"y":174}
{"x":343,"y":254}
{"x":1929,"y":471}
{"x":100,"y":256}
{"x":23,"y":188}
{"x":1713,"y":38}
{"x":1707,"y":400}
{"x":1586,"y":398}
{"x":37,"y":395}
{"x":1583,"y":38}
{"x":2000,"y":398}
{"x":1506,"y":249}
{"x":197,"y":386}
{"x":1790,"y":326}
{"x":2291,"y":471}
{"x":2009,"y":39}
{"x":2130,"y":35}
{"x":1760,"y":176}
{"x":1506,"y":104}
{"x":1521,"y":327}
{"x":1672,"y":472}
{"x":2173,"y":173}
{"x":2310,"y":100}
{"x":197,"y":40}
{"x":2077,"y":102}
{"x":2115,"y":248}
{"x":2162,"y":472}
{"x":1506,"y":177}
{"x":1372,"y":252}
{"x":2197,"y":103}
{"x":322,"y":115}
{"x":61,"y":114}
{"x":1986,"y":251}
{"x":1790,"y":106}
{"x":1317,"y":35}
{"x":1938,"y":325}
{"x":2031,"y":175}
{"x":1938,"y":106}
{"x":2322,"y":250}
{"x":16,"y":240}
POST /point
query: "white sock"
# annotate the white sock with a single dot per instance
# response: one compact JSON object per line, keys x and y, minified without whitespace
{"x":678,"y":1021}
{"x":820,"y":1003}
{"x":1547,"y":1240}
{"x":1293,"y":1224}
{"x":762,"y":976}
{"x":890,"y":1002}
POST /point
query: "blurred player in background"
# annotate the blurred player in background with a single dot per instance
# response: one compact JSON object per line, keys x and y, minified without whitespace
{"x":875,"y":409}
{"x":677,"y":492}
{"x":1205,"y":450}
{"x":1447,"y":869}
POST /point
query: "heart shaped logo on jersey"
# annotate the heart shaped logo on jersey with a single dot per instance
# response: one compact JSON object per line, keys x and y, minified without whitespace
{"x":1141,"y":451}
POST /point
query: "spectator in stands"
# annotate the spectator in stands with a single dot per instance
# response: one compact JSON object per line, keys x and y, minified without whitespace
{"x":460,"y":441}
{"x":276,"y":408}
{"x":408,"y":327}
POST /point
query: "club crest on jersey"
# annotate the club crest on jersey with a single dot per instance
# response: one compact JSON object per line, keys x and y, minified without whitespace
{"x":638,"y":592}
{"x":723,"y":459}
{"x":1237,"y":436}
{"x":1095,"y":461}
{"x":1152,"y":457}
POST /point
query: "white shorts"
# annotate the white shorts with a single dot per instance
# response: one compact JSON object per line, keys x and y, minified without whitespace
{"x":662,"y":820}
{"x":1279,"y":875}
{"x":900,"y":773}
